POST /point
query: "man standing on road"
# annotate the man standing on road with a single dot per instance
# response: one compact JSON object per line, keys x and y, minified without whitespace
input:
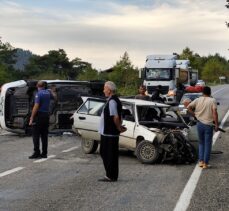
{"x":110,"y":128}
{"x":40,"y":121}
{"x":156,"y":95}
{"x":206,"y":114}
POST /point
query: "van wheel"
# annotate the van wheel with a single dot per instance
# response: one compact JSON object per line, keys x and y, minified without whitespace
{"x":147,"y":152}
{"x":89,"y":146}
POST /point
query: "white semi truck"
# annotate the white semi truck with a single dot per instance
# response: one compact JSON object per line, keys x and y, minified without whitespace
{"x":167,"y":71}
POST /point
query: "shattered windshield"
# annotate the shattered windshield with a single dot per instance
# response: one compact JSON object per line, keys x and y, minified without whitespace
{"x":158,"y":74}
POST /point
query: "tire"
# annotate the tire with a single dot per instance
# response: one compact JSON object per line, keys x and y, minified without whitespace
{"x":89,"y":146}
{"x":147,"y":152}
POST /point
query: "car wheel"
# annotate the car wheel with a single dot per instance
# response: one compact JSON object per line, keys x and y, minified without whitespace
{"x":89,"y":146}
{"x":147,"y":152}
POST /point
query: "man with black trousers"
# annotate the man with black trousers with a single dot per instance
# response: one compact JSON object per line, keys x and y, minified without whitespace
{"x":110,"y":128}
{"x":39,"y":120}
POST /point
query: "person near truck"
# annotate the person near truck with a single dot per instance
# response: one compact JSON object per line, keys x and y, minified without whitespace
{"x":207,"y":116}
{"x":156,"y":96}
{"x":142,"y":93}
{"x":110,"y":128}
{"x":39,"y":121}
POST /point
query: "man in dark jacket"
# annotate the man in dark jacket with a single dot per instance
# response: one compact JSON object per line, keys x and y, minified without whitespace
{"x":156,"y":95}
{"x":110,"y":128}
{"x":40,"y":120}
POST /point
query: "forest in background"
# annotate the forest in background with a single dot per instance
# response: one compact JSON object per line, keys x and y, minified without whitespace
{"x":17,"y":64}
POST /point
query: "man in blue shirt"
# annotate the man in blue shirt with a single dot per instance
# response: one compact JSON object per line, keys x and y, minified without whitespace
{"x":40,"y":121}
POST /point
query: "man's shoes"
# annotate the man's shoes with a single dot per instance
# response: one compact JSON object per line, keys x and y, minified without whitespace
{"x":34,"y":156}
{"x":201,"y":163}
{"x":206,"y":166}
{"x":106,"y":179}
{"x":43,"y":156}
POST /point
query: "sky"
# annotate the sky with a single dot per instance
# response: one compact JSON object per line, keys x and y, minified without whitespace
{"x":101,"y":31}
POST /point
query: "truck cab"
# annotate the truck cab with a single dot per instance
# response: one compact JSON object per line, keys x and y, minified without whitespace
{"x":159,"y":70}
{"x":167,"y":71}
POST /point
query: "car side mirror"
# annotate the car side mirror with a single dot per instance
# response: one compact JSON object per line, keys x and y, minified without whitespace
{"x":129,"y":118}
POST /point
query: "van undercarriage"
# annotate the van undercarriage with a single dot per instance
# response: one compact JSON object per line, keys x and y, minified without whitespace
{"x":19,"y":103}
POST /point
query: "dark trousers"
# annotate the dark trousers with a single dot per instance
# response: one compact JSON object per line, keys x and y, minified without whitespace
{"x":40,"y":130}
{"x":109,"y":151}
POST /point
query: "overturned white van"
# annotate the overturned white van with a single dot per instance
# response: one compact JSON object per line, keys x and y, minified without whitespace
{"x":17,"y":99}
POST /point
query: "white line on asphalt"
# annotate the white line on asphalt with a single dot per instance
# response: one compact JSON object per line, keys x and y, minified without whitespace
{"x":70,"y":149}
{"x":11,"y":171}
{"x":44,"y":159}
{"x":186,"y":195}
{"x":218,"y":91}
{"x":5,"y":133}
{"x":221,"y":125}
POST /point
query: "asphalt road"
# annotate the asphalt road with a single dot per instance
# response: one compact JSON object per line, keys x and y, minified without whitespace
{"x":67,"y":180}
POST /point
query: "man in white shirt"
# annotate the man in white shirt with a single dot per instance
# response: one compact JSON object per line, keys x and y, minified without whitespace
{"x":204,"y":109}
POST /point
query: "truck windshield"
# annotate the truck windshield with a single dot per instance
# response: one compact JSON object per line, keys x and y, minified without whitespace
{"x":157,"y":74}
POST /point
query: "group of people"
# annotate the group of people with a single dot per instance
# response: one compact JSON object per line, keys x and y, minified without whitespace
{"x":204,"y":109}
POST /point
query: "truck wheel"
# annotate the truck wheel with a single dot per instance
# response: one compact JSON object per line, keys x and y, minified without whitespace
{"x":147,"y":152}
{"x":89,"y":146}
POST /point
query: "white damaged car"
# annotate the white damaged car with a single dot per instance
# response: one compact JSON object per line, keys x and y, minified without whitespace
{"x":154,"y":130}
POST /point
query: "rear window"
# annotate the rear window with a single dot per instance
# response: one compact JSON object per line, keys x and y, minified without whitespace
{"x":92,"y":107}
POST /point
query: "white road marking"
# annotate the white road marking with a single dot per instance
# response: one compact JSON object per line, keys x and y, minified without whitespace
{"x":186,"y":195}
{"x":221,"y":125}
{"x":218,"y":91}
{"x":70,"y":149}
{"x":5,"y":133}
{"x":11,"y":171}
{"x":44,"y":159}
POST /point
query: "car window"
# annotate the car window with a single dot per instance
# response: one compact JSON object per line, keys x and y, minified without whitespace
{"x":92,"y":107}
{"x":127,"y":110}
{"x":191,"y":97}
{"x":146,"y":113}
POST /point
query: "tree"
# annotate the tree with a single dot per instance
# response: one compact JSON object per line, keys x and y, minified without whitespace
{"x":80,"y":67}
{"x":215,"y":67}
{"x":58,"y":62}
{"x":88,"y":74}
{"x":4,"y":77}
{"x":6,"y":53}
{"x":125,"y":76}
{"x":186,"y":54}
{"x":55,"y":62}
{"x":6,"y":62}
{"x":196,"y":61}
